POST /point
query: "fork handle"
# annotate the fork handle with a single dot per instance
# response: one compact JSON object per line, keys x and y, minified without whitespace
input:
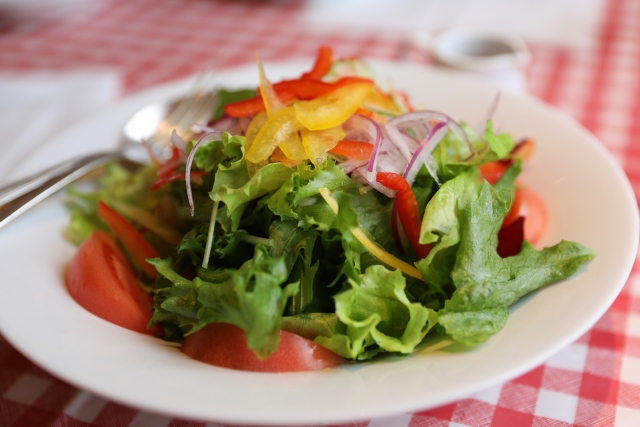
{"x":18,"y":197}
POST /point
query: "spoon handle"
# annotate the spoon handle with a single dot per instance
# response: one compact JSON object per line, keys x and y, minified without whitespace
{"x":20,"y":196}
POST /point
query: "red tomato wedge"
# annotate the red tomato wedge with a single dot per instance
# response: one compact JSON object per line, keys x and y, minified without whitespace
{"x":533,"y":208}
{"x":492,"y":171}
{"x":131,"y":238}
{"x":102,"y":281}
{"x":225,"y":345}
{"x":514,"y":211}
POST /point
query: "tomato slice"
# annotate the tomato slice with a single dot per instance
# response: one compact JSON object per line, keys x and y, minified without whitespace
{"x":225,"y":345}
{"x":101,"y":279}
{"x":514,"y":211}
{"x":492,"y":171}
{"x":533,"y":208}
{"x":138,"y":247}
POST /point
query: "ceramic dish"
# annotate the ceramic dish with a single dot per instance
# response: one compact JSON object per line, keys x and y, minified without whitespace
{"x":581,"y":183}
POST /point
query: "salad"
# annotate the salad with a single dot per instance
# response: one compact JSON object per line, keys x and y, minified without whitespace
{"x":316,"y":221}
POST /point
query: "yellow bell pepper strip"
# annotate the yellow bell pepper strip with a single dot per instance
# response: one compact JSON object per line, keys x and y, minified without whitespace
{"x":269,"y":96}
{"x":287,"y":90}
{"x":278,"y":156}
{"x":317,"y":143}
{"x":281,"y":129}
{"x":373,"y":247}
{"x":250,"y":135}
{"x":376,"y":100}
{"x":333,"y":108}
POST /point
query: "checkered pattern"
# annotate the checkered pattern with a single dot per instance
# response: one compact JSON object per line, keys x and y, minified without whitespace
{"x":593,"y":382}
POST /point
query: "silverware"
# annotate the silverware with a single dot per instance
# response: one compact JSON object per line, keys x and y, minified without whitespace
{"x":153,"y":124}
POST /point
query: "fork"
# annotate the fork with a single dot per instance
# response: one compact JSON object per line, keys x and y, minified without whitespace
{"x":19,"y":196}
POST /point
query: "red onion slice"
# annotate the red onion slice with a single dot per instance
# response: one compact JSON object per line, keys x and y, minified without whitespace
{"x":350,"y":165}
{"x":423,"y":152}
{"x":422,"y":120}
{"x":390,"y":159}
{"x":400,"y":139}
{"x":204,"y":139}
{"x":178,"y":142}
{"x":372,"y":128}
{"x":363,"y":174}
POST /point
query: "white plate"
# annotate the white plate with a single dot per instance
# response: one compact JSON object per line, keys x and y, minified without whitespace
{"x":589,"y":200}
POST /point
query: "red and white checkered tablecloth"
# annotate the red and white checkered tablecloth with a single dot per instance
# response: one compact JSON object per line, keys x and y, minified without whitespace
{"x":593,"y":382}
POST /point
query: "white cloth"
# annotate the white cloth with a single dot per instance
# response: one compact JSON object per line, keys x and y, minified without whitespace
{"x":573,"y":23}
{"x":36,"y":105}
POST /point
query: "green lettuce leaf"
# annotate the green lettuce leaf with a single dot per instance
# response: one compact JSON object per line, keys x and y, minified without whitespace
{"x":501,"y":144}
{"x":487,"y":284}
{"x":251,"y":298}
{"x":376,"y":310}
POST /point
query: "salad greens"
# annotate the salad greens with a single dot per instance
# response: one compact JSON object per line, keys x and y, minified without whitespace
{"x":281,"y":258}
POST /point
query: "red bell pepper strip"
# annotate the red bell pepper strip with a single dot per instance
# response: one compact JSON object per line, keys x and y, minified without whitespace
{"x":323,"y":64}
{"x":407,"y":209}
{"x":175,"y":177}
{"x":134,"y":243}
{"x":287,"y":90}
{"x":395,"y":230}
{"x":353,"y":149}
{"x":309,"y":89}
{"x":251,"y":106}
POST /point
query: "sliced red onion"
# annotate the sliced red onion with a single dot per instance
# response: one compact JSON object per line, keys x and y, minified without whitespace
{"x":390,"y":159}
{"x":371,"y":128}
{"x":363,"y":174}
{"x":204,"y":139}
{"x":244,"y":123}
{"x":418,"y":119}
{"x":178,"y":142}
{"x":423,"y":152}
{"x":352,"y":164}
{"x":223,"y":123}
{"x":401,"y":140}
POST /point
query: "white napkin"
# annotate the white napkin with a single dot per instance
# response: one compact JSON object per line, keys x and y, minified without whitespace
{"x":37,"y":105}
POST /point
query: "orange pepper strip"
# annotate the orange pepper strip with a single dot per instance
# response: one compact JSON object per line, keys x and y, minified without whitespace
{"x":407,"y":210}
{"x":134,"y":243}
{"x":279,"y":156}
{"x":359,"y":150}
{"x":323,"y":64}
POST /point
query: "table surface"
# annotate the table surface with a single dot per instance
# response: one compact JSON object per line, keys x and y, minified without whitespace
{"x":593,"y":382}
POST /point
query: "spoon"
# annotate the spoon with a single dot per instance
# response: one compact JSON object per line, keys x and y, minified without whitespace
{"x":153,"y":124}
